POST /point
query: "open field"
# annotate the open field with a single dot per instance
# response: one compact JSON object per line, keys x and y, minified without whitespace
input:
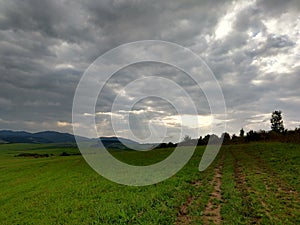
{"x":247,"y":184}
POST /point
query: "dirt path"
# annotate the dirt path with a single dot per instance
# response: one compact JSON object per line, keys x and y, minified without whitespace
{"x":183,"y":217}
{"x":212,"y":210}
{"x":211,"y":213}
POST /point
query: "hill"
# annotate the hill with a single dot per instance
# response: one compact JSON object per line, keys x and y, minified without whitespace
{"x":47,"y":137}
{"x":8,"y":136}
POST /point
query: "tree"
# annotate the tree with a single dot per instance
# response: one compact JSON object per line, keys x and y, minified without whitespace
{"x":200,"y":141}
{"x":187,"y":138}
{"x":252,"y":136}
{"x":214,"y":139}
{"x":226,"y":138}
{"x":277,"y":122}
{"x":242,"y":133}
{"x":234,"y":139}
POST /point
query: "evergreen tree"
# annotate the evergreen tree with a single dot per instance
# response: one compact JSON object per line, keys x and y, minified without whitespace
{"x":277,"y":122}
{"x":242,"y":132}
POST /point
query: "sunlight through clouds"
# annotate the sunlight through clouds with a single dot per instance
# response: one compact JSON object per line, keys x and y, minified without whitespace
{"x":252,"y":47}
{"x":224,"y":26}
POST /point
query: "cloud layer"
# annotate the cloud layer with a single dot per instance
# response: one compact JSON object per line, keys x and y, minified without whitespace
{"x":252,"y":47}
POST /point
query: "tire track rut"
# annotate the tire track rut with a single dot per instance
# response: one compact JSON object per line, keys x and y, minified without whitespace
{"x":212,"y":212}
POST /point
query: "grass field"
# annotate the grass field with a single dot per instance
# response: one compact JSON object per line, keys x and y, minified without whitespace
{"x":247,"y":184}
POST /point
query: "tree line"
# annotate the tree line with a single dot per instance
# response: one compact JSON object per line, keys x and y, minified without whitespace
{"x":277,"y":133}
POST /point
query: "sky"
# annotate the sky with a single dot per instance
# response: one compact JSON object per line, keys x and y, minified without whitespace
{"x":251,"y":47}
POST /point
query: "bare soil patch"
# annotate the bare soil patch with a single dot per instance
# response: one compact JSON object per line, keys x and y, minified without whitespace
{"x":212,"y":210}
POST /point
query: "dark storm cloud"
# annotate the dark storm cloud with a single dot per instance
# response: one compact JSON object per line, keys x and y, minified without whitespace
{"x":45,"y":46}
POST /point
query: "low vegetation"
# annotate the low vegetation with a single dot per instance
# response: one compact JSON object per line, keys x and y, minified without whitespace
{"x":34,"y":155}
{"x":254,"y":183}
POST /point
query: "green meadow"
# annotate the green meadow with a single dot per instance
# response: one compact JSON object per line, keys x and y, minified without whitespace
{"x":256,"y":183}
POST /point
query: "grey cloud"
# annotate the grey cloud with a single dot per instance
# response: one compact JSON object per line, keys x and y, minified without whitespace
{"x":279,"y":41}
{"x":277,"y":7}
{"x":250,"y":19}
{"x":45,"y":46}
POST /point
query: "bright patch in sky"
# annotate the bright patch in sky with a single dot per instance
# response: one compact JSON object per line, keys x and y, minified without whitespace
{"x":191,"y":121}
{"x":252,"y":47}
{"x":224,"y":26}
{"x":64,"y":66}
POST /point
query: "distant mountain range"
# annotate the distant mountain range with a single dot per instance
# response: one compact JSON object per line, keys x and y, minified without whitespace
{"x":8,"y":136}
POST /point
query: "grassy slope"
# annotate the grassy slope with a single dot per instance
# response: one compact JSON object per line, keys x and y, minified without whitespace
{"x":65,"y":190}
{"x":261,"y":184}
